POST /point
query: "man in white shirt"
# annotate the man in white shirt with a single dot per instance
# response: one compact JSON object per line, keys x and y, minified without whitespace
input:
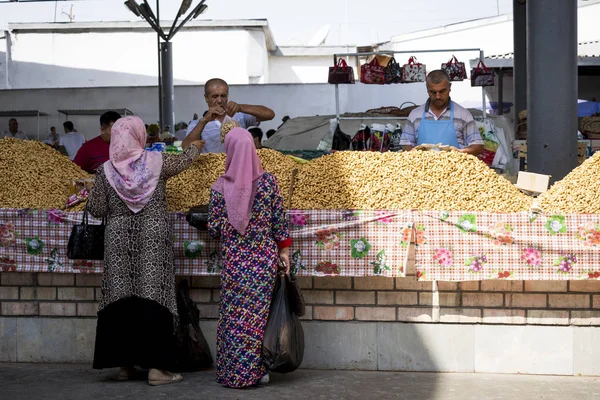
{"x":13,"y":131}
{"x":72,"y":140}
{"x":208,"y":128}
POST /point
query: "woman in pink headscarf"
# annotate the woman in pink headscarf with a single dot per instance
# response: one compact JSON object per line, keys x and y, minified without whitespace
{"x":246,"y":211}
{"x":138,"y":309}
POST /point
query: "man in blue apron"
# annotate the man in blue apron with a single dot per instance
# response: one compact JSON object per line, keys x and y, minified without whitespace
{"x":440,"y":120}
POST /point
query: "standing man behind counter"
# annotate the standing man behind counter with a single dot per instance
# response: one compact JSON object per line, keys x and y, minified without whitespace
{"x":440,"y":120}
{"x":208,"y":128}
{"x":94,"y":153}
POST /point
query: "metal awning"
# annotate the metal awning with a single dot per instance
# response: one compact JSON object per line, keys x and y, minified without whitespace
{"x":95,"y":111}
{"x":22,"y":113}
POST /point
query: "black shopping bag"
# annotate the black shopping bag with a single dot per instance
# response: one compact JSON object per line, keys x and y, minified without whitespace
{"x":192,"y":351}
{"x":283,"y":343}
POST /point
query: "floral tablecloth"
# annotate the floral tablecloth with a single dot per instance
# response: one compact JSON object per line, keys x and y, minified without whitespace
{"x":458,"y":246}
{"x":326,"y":242}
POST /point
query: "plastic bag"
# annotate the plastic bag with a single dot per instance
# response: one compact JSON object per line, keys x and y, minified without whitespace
{"x":396,"y":136}
{"x":283,"y":343}
{"x":192,"y":350}
{"x":295,"y":297}
{"x":227,"y":125}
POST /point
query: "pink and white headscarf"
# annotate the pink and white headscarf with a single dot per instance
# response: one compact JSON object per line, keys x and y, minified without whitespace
{"x":132,"y":171}
{"x":238,"y":184}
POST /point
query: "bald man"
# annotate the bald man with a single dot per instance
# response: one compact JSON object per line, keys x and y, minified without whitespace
{"x":208,"y":128}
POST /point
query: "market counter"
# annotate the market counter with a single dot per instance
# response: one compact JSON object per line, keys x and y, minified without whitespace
{"x":448,"y":246}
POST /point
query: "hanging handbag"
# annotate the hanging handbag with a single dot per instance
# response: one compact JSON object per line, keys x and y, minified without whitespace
{"x":198,"y":217}
{"x":481,"y":76}
{"x":341,"y":73}
{"x":455,"y":69}
{"x":393,"y":72}
{"x":361,"y":140}
{"x":372,"y":73}
{"x":413,"y":71}
{"x":86,"y":241}
{"x":341,"y":141}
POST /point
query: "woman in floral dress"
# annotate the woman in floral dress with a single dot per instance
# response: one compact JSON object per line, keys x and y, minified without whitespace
{"x":246,"y":211}
{"x":138,"y":310}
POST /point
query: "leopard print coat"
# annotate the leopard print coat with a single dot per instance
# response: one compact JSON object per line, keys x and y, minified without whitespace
{"x":138,"y":252}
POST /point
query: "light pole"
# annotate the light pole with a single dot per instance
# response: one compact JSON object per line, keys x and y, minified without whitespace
{"x":166,"y":91}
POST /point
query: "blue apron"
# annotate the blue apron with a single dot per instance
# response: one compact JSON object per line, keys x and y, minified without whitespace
{"x":433,"y":131}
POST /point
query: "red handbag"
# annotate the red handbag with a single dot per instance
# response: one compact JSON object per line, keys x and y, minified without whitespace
{"x":372,"y":73}
{"x":341,"y":73}
{"x":481,"y":76}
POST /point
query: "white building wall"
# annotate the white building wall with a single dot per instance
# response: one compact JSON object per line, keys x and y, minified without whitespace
{"x":299,"y":69}
{"x":129,"y":58}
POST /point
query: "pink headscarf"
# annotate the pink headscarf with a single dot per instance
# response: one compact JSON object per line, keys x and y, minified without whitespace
{"x":132,"y":171}
{"x":243,"y":171}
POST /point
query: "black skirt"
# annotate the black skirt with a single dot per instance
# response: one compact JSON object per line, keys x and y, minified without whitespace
{"x":134,"y":331}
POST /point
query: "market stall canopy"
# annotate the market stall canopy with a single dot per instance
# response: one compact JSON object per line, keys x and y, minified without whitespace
{"x":95,"y":111}
{"x":22,"y":113}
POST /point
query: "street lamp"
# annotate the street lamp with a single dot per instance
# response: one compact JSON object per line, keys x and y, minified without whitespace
{"x":166,"y":90}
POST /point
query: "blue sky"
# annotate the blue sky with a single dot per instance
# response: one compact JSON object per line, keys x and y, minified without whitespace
{"x":292,"y":22}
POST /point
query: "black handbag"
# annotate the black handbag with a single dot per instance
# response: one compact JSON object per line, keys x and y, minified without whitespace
{"x":86,"y":241}
{"x":198,"y":217}
{"x":341,"y":73}
{"x":341,"y":141}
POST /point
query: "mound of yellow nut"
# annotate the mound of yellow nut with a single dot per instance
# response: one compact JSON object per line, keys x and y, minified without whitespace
{"x":415,"y":180}
{"x":578,"y":192}
{"x":33,"y":175}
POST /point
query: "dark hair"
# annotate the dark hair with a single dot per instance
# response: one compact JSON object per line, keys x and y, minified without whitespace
{"x":270,"y":133}
{"x":68,"y":125}
{"x":437,"y":76}
{"x":213,"y":82}
{"x":52,"y":127}
{"x":108,"y":117}
{"x":256,"y":133}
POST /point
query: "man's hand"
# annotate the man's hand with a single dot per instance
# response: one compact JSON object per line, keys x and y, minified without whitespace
{"x":214,"y":113}
{"x":233,"y":108}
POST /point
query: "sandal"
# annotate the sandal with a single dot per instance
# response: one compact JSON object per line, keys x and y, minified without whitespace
{"x":127,"y":375}
{"x":158,"y":382}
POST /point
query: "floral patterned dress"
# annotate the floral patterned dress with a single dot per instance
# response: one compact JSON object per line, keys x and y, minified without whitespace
{"x":247,"y":282}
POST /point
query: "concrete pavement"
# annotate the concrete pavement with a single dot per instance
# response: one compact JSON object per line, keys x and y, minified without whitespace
{"x":80,"y":382}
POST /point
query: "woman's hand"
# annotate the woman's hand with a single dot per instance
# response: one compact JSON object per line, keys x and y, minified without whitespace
{"x":199,"y":144}
{"x":284,"y":255}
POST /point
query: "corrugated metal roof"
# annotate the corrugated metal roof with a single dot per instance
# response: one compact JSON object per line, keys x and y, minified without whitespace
{"x":588,"y":54}
{"x":95,"y":111}
{"x":22,"y":113}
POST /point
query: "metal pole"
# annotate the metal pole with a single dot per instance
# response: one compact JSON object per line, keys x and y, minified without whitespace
{"x":167,"y":82}
{"x":483,"y":109}
{"x":552,"y":57}
{"x":500,"y":92}
{"x":337,"y":101}
{"x":520,"y":59}
{"x":38,"y":123}
{"x":160,"y":104}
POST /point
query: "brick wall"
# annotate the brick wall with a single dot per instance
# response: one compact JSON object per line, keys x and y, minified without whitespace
{"x":343,"y":299}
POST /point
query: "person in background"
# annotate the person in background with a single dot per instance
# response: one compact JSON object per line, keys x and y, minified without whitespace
{"x":167,"y":136}
{"x":13,"y":130}
{"x":270,"y":133}
{"x":216,"y":95}
{"x":283,"y":120}
{"x":153,"y":132}
{"x":257,"y":136}
{"x":96,"y":152}
{"x":137,"y":313}
{"x":194,"y":118}
{"x":71,"y":140}
{"x":440,"y":120}
{"x":53,"y":139}
{"x":246,"y":212}
{"x":181,"y":130}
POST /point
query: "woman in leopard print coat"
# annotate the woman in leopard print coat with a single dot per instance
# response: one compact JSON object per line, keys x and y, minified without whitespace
{"x":138,"y":310}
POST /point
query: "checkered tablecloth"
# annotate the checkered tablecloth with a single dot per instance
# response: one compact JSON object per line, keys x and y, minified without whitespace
{"x":459,"y":246}
{"x":325,"y":242}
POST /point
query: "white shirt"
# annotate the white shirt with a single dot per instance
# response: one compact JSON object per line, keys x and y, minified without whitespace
{"x":72,"y":142}
{"x":19,"y":135}
{"x":181,"y":134}
{"x":212,"y":131}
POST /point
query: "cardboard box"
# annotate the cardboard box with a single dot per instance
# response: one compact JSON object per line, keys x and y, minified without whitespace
{"x":530,"y":182}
